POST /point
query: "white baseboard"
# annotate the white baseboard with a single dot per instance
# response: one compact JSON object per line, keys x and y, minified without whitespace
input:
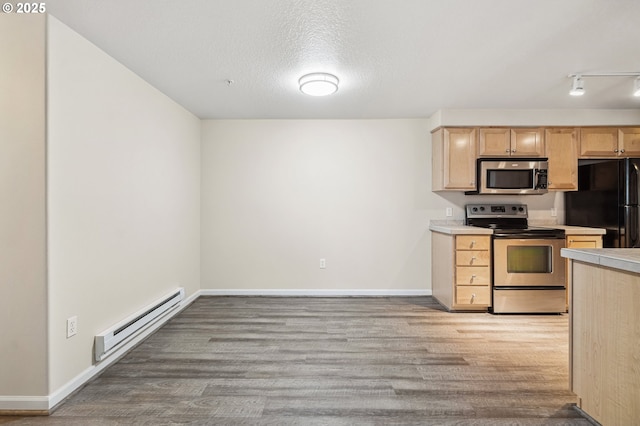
{"x":314,"y":293}
{"x":47,"y":403}
{"x":24,"y":403}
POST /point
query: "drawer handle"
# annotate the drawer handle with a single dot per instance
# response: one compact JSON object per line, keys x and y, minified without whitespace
{"x":473,"y":277}
{"x":473,"y":296}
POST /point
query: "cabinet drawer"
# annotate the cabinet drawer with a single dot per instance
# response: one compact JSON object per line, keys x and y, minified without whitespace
{"x":473,"y":242}
{"x":473,"y":295}
{"x":473,"y":275}
{"x":473,"y":258}
{"x":584,"y":241}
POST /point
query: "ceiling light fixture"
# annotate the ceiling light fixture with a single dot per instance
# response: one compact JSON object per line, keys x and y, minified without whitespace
{"x":318,"y":84}
{"x":636,"y":87}
{"x":577,"y":85}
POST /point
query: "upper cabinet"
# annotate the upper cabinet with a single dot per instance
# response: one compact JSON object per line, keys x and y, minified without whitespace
{"x":629,"y":140}
{"x":562,"y":152}
{"x":504,"y":142}
{"x":609,"y":142}
{"x":454,"y":159}
{"x":456,"y":149}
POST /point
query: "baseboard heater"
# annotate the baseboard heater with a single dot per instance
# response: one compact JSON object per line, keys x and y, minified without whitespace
{"x":107,"y":341}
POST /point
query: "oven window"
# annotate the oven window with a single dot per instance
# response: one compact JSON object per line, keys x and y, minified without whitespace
{"x":509,"y":179}
{"x":529,"y":259}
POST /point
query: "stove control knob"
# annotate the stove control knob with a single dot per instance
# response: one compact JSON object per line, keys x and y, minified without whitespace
{"x":520,"y":209}
{"x":481,"y":209}
{"x":475,"y":209}
{"x":513,"y":208}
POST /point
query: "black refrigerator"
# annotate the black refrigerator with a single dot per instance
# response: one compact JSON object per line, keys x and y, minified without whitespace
{"x":607,"y":197}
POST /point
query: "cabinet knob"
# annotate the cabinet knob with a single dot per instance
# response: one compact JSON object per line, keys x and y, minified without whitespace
{"x":622,"y":150}
{"x":507,"y":150}
{"x":615,"y":150}
{"x":513,"y":150}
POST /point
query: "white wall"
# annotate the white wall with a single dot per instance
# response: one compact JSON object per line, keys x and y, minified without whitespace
{"x":23,"y":296}
{"x":124,"y":196}
{"x":278,"y":195}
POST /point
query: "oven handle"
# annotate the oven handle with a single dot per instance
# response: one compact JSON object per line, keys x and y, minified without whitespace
{"x":530,"y":287}
{"x":525,"y":236}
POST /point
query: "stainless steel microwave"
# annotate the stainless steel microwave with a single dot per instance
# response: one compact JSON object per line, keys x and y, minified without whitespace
{"x":518,"y":176}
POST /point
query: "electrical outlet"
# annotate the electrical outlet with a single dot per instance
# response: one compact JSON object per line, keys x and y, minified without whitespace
{"x":323,"y":263}
{"x":449,"y":212}
{"x":72,"y":326}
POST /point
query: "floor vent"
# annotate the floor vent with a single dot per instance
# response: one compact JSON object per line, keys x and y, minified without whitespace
{"x":108,"y":340}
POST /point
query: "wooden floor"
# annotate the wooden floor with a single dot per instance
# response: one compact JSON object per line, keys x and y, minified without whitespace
{"x":334,"y":361}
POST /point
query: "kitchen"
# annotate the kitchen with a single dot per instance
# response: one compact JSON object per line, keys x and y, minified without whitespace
{"x":276,"y":196}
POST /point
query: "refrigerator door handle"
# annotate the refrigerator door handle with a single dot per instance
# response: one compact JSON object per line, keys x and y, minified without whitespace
{"x":632,"y":226}
{"x":634,"y":188}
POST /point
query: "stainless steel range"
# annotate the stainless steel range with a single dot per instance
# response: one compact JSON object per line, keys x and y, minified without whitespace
{"x":528,"y":271}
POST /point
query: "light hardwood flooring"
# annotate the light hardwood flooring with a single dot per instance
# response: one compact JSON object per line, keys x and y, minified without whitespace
{"x":334,"y":361}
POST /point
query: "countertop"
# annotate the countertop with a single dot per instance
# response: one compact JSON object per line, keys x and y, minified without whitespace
{"x":579,"y":230}
{"x":454,"y":227}
{"x":624,"y":259}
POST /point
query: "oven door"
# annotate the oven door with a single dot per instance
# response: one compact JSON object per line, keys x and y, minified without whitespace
{"x":528,"y":262}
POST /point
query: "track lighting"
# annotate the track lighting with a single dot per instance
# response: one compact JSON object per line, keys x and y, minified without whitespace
{"x":577,"y":85}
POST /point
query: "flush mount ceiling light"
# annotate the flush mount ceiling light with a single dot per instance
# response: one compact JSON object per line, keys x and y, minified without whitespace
{"x":318,"y":84}
{"x":577,"y":85}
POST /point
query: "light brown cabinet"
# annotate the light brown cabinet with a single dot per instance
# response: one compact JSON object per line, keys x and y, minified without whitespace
{"x":584,"y":241}
{"x":517,"y":142}
{"x":455,"y":150}
{"x":579,"y":241}
{"x":609,"y":142}
{"x":562,"y":152}
{"x":461,"y":271}
{"x":454,"y":159}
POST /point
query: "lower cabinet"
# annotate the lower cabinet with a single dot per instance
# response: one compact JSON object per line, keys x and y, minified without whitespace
{"x":461,"y":271}
{"x":579,"y":241}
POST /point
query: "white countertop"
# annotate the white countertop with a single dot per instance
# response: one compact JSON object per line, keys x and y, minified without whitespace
{"x":624,"y":259}
{"x":579,"y":230}
{"x":454,"y":227}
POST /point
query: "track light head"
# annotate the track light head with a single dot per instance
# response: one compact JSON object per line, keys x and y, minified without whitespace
{"x":577,"y":86}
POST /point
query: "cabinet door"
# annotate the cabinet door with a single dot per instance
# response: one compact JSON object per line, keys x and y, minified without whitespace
{"x":460,"y":147}
{"x":494,"y":142}
{"x":527,"y":143}
{"x":599,"y":142}
{"x":562,"y":151}
{"x":629,"y":141}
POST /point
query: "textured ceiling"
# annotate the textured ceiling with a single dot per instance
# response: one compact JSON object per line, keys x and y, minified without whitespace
{"x":403,"y":58}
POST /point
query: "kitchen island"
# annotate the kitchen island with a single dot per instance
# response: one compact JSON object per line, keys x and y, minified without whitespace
{"x":604,"y":333}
